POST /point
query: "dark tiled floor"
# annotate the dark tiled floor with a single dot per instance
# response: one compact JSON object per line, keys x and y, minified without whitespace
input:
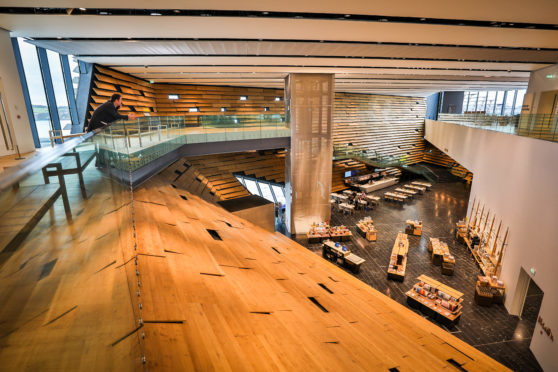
{"x":492,"y":330}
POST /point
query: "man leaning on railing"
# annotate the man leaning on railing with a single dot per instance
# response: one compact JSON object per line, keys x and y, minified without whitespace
{"x":108,"y":113}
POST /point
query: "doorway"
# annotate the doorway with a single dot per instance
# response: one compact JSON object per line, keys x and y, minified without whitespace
{"x":531,"y":308}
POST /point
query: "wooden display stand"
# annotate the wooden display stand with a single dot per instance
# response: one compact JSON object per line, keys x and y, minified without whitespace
{"x":318,"y":232}
{"x":398,"y":259}
{"x":413,"y":227}
{"x":367,"y":229}
{"x":482,"y":239}
{"x":436,"y":299}
{"x":340,"y":233}
{"x":491,"y":288}
{"x":341,"y":254}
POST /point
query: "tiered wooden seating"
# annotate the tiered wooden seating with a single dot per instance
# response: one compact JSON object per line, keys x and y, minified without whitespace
{"x":212,"y":176}
{"x":434,"y":156}
{"x":390,"y":125}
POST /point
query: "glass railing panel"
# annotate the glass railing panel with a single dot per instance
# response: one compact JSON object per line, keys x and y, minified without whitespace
{"x":147,"y":138}
{"x":66,"y":233}
{"x":541,"y":126}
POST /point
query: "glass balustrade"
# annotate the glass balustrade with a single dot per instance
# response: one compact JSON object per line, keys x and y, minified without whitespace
{"x":541,"y":126}
{"x":67,"y":243}
{"x":148,"y":138}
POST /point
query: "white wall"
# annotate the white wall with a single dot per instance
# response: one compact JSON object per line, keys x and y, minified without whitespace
{"x":538,"y":83}
{"x":13,"y":96}
{"x":516,"y":178}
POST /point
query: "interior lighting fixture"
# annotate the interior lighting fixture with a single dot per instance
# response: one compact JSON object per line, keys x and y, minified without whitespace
{"x":223,"y":109}
{"x":194,"y":109}
{"x":244,"y":98}
{"x":83,"y":9}
{"x":266,"y":108}
{"x":155,"y":14}
{"x":174,"y":96}
{"x":278,"y":98}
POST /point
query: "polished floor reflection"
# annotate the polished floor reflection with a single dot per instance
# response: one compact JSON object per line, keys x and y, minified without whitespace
{"x":492,"y":330}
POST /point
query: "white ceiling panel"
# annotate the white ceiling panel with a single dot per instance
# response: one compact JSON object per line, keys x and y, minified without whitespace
{"x":535,"y":11}
{"x":257,"y":28}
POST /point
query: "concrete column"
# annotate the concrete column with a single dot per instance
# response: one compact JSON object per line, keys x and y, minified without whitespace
{"x":309,"y":101}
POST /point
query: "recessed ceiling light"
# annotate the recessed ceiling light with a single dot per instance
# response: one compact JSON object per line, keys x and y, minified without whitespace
{"x":82,"y":9}
{"x":155,"y":14}
{"x":244,"y":98}
{"x":194,"y":109}
{"x":265,"y":13}
{"x":174,"y":96}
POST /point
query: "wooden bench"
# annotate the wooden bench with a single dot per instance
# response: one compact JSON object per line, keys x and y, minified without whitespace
{"x":23,"y":208}
{"x":65,"y":166}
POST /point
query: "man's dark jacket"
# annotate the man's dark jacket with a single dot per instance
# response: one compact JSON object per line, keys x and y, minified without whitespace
{"x":105,"y":113}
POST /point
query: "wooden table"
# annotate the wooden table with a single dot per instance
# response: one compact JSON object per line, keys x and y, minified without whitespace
{"x":422,"y":184}
{"x":395,"y":196}
{"x":430,"y":306}
{"x":407,"y":192}
{"x":398,"y":259}
{"x":420,"y":189}
{"x":414,"y":227}
{"x":353,"y":262}
{"x":439,"y":249}
{"x":373,"y":199}
{"x":367,"y":229}
{"x":347,"y":192}
{"x":362,"y":203}
{"x":347,"y":207}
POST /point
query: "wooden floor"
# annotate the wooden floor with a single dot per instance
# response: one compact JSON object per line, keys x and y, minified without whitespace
{"x":216,"y":293}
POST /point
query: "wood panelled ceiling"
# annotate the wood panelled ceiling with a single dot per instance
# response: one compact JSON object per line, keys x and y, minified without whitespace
{"x":401,"y":47}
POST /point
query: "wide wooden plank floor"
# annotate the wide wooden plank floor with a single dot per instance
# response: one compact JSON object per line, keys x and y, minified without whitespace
{"x":244,"y":302}
{"x":202,"y":290}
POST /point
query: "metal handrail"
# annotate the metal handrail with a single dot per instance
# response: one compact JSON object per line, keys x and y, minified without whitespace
{"x":14,"y":174}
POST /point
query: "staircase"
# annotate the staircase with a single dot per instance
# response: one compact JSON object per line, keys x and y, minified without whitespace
{"x":378,"y":160}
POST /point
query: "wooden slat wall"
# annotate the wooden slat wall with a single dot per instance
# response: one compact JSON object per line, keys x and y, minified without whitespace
{"x":210,"y":99}
{"x":390,"y":125}
{"x":138,"y":95}
{"x":212,"y":176}
{"x":432,"y":155}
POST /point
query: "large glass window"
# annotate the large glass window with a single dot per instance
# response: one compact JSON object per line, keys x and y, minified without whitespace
{"x":490,"y":101}
{"x":266,"y":191}
{"x":481,"y":103}
{"x":59,"y":86}
{"x":252,"y":186}
{"x":74,"y":70}
{"x":472,"y":106}
{"x":36,"y":87}
{"x":508,"y":105}
{"x":519,"y":101}
{"x":279,"y":195}
{"x":499,"y":102}
{"x":465,"y":101}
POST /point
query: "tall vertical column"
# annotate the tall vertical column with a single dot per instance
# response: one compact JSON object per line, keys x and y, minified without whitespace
{"x":309,"y":101}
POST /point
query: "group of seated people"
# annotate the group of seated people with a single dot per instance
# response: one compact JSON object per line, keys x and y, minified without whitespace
{"x":355,"y":196}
